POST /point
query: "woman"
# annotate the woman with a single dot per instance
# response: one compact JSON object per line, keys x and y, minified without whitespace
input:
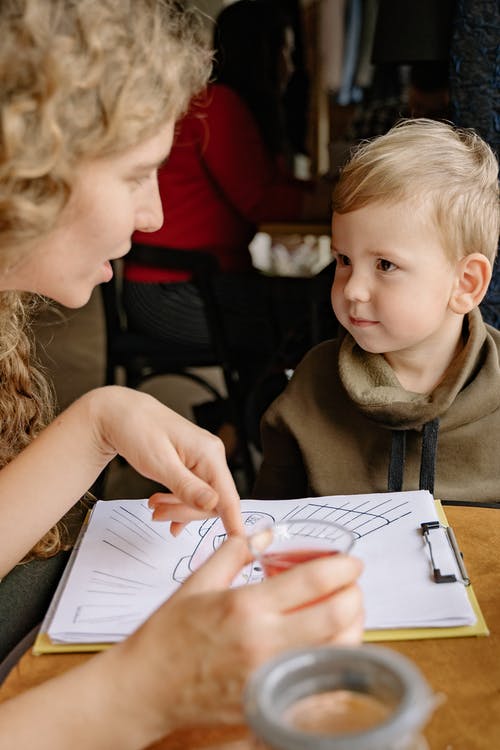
{"x":89,"y":96}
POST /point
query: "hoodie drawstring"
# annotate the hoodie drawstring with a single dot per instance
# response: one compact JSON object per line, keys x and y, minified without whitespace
{"x":427,"y":462}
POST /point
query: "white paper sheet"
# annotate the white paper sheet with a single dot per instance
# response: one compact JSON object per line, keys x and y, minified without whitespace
{"x":127,"y":565}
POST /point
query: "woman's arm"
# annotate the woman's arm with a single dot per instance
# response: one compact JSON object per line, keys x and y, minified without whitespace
{"x":49,"y":476}
{"x":187,"y":665}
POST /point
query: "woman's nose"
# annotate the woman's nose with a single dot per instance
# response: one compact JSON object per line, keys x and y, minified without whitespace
{"x":150,"y":213}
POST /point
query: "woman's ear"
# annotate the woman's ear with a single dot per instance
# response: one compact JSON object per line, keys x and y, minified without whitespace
{"x":473,"y":276}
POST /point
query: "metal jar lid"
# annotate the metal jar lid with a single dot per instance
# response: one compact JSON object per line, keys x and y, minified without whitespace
{"x":368,"y":670}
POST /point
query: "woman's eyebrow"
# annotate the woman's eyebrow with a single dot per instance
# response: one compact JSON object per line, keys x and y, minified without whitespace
{"x":155,"y":164}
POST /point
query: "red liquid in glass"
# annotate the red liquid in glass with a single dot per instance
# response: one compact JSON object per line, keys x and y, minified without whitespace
{"x":277,"y":562}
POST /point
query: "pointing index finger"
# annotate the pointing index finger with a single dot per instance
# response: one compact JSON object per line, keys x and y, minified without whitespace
{"x":228,"y":505}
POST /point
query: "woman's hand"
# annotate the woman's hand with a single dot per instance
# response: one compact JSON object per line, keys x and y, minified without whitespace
{"x":163,"y":446}
{"x":57,"y":468}
{"x":166,"y":507}
{"x":189,"y":663}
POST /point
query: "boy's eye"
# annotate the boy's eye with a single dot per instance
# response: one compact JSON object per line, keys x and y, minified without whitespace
{"x":386,"y":265}
{"x":343,"y":260}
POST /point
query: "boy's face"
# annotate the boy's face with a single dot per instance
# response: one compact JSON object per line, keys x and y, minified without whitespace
{"x":393,"y":280}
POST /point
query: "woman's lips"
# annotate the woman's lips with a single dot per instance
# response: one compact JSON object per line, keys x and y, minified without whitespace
{"x":107,"y":269}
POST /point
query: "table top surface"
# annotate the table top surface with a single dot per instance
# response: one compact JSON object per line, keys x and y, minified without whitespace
{"x":464,"y":672}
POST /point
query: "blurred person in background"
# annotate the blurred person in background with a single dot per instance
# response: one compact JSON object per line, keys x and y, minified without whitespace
{"x":228,"y":172}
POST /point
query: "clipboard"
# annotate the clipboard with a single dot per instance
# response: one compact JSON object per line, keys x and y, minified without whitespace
{"x":43,"y":643}
{"x":479,"y":628}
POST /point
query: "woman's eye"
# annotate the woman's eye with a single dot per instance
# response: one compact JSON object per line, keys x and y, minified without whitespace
{"x":141,"y":180}
{"x":386,"y":265}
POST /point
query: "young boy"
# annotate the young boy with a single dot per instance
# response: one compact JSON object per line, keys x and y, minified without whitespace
{"x":408,"y":396}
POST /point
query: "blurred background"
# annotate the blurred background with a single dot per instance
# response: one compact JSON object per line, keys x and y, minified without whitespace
{"x":357,"y":67}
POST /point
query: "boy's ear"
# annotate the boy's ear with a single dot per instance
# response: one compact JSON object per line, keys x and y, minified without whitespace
{"x":473,"y":276}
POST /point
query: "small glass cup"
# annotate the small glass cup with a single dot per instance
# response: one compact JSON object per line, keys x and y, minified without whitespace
{"x":285,"y":544}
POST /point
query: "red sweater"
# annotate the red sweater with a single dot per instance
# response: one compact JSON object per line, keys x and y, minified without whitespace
{"x":219,"y":183}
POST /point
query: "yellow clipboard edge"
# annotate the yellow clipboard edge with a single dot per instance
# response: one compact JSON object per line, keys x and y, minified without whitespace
{"x":44,"y":645}
{"x":413,"y":634}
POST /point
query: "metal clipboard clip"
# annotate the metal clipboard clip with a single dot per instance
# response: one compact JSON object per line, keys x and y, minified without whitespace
{"x":450,"y":538}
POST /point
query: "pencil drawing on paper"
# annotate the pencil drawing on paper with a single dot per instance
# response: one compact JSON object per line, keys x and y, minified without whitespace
{"x":361,"y":516}
{"x":133,"y":568}
{"x":212,"y":534}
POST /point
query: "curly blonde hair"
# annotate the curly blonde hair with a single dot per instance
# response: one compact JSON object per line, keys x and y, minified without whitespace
{"x":80,"y":79}
{"x":425,"y":159}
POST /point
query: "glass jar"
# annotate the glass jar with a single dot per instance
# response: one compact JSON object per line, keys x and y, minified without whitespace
{"x":329,"y":698}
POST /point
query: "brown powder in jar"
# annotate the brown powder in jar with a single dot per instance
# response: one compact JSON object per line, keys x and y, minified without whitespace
{"x":337,"y":712}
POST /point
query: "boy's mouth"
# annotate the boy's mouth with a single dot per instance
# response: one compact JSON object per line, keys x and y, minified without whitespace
{"x":362,"y":322}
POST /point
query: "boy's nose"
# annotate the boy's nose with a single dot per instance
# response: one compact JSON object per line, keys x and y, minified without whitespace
{"x":357,"y":288}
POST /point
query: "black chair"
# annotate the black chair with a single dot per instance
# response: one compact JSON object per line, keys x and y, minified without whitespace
{"x":319,"y":324}
{"x":142,"y":358}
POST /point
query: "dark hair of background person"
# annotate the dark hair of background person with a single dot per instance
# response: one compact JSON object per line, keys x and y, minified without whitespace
{"x":249,"y":36}
{"x":296,"y":99}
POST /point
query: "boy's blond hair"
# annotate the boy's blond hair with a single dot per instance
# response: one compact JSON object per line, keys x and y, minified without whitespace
{"x":452,"y":168}
{"x":80,"y":79}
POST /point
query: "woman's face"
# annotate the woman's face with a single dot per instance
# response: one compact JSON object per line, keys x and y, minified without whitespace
{"x":112,"y":197}
{"x":287,"y":66}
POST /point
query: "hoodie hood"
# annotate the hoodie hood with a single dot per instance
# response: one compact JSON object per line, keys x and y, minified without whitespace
{"x":371,"y":384}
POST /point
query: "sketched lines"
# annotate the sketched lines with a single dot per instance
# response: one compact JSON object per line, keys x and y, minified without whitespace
{"x":362,"y":517}
{"x":130,"y":535}
{"x":120,"y":614}
{"x":108,"y":583}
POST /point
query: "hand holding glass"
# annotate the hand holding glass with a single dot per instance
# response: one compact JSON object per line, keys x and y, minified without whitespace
{"x":287,"y":543}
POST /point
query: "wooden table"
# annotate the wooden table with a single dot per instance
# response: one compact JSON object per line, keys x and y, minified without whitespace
{"x":464,"y":671}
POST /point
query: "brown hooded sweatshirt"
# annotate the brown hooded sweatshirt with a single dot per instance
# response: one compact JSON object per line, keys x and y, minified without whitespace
{"x":343,"y":418}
